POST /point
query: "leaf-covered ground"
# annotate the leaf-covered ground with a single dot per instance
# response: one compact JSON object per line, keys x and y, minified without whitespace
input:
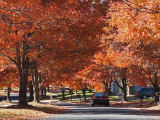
{"x":35,"y":110}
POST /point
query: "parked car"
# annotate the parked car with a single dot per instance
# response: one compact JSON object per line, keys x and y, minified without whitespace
{"x":145,"y":92}
{"x":100,"y":98}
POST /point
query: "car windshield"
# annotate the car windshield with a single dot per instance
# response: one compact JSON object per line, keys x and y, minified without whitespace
{"x":101,"y":95}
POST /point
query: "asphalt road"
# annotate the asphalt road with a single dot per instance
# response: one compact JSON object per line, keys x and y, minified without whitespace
{"x":99,"y":112}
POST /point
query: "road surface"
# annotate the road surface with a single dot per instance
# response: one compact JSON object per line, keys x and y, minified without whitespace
{"x":99,"y":112}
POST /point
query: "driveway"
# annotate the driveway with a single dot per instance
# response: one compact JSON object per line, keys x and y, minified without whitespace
{"x":99,"y":112}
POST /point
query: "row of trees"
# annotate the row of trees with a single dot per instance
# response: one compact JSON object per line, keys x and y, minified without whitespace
{"x":79,"y":44}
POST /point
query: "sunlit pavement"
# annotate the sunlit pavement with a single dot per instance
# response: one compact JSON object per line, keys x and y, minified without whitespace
{"x":99,"y":112}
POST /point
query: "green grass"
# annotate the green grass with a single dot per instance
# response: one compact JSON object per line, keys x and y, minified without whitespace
{"x":113,"y":98}
{"x":74,"y":96}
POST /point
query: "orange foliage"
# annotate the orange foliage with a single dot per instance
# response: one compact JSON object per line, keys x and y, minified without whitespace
{"x":9,"y":78}
{"x":62,"y":34}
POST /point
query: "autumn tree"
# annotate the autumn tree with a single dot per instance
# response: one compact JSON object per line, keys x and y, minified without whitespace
{"x":15,"y":38}
{"x":101,"y":73}
{"x":80,"y":82}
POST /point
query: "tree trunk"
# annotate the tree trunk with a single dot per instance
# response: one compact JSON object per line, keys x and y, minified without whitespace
{"x":31,"y":98}
{"x":107,"y":87}
{"x":36,"y":83}
{"x":84,"y":93}
{"x":45,"y":92}
{"x":23,"y":73}
{"x":70,"y":91}
{"x":123,"y":87}
{"x":42,"y":91}
{"x":124,"y":90}
{"x":36,"y":95}
{"x":8,"y":94}
{"x":156,"y":86}
{"x":63,"y":91}
{"x":48,"y":89}
{"x":125,"y":94}
{"x":23,"y":83}
{"x":108,"y":91}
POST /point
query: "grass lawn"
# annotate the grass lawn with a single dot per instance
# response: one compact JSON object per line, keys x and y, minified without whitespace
{"x":74,"y":96}
{"x":88,"y":96}
{"x":34,"y":111}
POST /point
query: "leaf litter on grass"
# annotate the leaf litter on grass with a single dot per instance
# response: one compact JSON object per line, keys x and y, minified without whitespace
{"x":33,"y":111}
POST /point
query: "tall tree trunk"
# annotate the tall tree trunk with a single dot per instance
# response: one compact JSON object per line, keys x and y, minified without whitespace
{"x":31,"y":98}
{"x":23,"y":83}
{"x":23,"y":73}
{"x":124,"y":90}
{"x":37,"y":80}
{"x":36,"y":83}
{"x":8,"y":94}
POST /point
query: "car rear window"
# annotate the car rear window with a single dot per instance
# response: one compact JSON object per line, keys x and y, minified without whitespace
{"x":101,"y":95}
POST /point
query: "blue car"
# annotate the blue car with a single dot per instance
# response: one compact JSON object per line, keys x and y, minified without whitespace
{"x":145,"y":92}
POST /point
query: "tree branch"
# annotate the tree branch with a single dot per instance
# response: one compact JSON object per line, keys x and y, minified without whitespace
{"x":10,"y":59}
{"x":129,"y":3}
